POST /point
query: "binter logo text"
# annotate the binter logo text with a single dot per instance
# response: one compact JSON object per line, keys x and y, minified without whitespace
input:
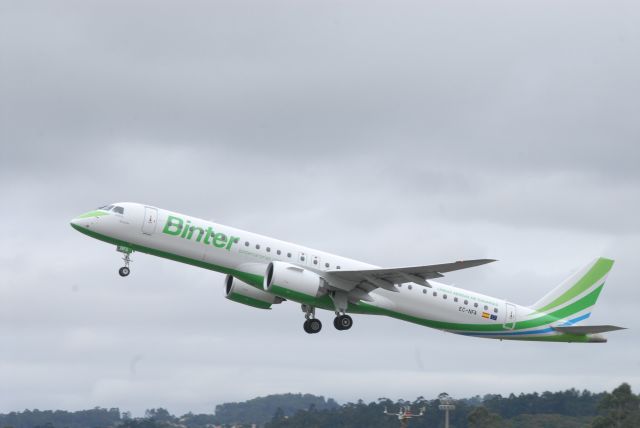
{"x":176,"y":226}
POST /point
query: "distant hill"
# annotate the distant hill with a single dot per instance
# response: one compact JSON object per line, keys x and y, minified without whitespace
{"x":261,"y":410}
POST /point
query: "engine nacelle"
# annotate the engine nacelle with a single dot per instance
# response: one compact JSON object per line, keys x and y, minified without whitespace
{"x":293,"y":282}
{"x":241,"y":292}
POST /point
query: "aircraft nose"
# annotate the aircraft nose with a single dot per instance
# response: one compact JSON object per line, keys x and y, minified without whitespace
{"x":76,"y":223}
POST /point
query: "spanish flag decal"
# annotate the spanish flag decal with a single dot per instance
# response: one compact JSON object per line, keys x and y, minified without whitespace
{"x":486,"y":315}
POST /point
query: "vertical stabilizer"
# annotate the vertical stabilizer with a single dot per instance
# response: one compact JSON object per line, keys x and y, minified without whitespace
{"x":578,"y":293}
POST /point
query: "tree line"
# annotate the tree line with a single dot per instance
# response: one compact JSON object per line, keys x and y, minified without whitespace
{"x":619,"y":408}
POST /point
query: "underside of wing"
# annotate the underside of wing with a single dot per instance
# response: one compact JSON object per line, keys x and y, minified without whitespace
{"x":369,"y":279}
{"x":588,"y":329}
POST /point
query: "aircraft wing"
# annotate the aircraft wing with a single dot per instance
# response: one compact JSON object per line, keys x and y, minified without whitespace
{"x":369,"y":279}
{"x":587,"y":329}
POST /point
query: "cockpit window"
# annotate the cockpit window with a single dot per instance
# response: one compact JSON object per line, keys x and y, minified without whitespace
{"x":110,"y":207}
{"x":118,"y":210}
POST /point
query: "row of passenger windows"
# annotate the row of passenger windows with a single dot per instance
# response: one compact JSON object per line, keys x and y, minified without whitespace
{"x":455,"y":299}
{"x":289,"y":255}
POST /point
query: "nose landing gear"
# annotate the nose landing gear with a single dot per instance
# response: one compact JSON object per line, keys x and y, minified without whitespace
{"x":125,"y":270}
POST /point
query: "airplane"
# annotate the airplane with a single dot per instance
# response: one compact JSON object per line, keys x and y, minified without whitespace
{"x":262,"y":271}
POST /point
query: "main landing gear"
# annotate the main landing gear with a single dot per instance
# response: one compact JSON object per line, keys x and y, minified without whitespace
{"x":342,"y":322}
{"x":125,"y":270}
{"x":311,"y":325}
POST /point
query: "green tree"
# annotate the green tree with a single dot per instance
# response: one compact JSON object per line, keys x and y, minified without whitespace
{"x":159,"y":414}
{"x":619,"y":409}
{"x":278,"y":416}
{"x":480,"y":417}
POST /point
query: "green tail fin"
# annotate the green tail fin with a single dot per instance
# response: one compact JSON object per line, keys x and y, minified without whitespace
{"x":585,"y":280}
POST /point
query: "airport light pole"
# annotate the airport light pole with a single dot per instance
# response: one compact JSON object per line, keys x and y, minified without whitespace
{"x":446,"y":405}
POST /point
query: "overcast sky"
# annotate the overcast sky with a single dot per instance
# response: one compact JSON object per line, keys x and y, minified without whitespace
{"x":397,"y":133}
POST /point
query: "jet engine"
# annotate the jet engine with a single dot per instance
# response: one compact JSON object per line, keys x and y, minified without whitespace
{"x":241,"y":292}
{"x":293,"y":282}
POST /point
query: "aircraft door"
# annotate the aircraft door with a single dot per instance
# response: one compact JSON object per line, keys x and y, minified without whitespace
{"x":510,"y":317}
{"x":150,"y":220}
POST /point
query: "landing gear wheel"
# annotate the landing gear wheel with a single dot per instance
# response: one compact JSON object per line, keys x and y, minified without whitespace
{"x":125,"y":271}
{"x":342,"y":322}
{"x":312,"y":326}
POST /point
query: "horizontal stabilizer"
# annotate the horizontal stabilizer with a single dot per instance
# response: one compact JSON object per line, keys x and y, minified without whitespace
{"x":587,"y":329}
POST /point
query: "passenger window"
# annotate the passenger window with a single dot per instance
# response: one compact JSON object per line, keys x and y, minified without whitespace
{"x":337,"y":267}
{"x":410,"y":287}
{"x":257,"y":246}
{"x":268,"y":250}
{"x":444,"y":296}
{"x":475,"y":305}
{"x":435,"y":294}
{"x":315,"y":261}
{"x":466,"y":302}
{"x":278,"y":252}
{"x":289,"y":255}
{"x":424,"y":291}
{"x":246,"y":243}
{"x":495,"y":310}
{"x":326,"y":265}
{"x":455,"y":299}
{"x":486,"y":307}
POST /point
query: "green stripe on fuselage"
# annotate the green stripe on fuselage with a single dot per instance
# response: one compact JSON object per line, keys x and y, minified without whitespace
{"x":563,"y":313}
{"x":577,"y":306}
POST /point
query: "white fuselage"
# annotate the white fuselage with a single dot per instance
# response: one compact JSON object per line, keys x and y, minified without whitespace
{"x":239,"y":253}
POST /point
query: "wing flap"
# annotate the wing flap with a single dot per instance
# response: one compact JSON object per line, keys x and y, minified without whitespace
{"x":387,"y":277}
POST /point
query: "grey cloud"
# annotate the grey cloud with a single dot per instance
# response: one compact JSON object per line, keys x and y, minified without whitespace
{"x":399,"y":134}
